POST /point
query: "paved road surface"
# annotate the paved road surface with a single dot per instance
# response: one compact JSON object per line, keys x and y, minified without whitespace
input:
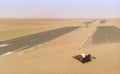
{"x":105,"y":34}
{"x":25,"y":42}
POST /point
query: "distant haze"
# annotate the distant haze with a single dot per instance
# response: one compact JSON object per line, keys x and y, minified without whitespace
{"x":59,"y":8}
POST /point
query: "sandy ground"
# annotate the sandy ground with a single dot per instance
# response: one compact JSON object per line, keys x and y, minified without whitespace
{"x":55,"y":56}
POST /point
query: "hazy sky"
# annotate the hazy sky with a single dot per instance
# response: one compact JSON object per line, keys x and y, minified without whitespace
{"x":59,"y":8}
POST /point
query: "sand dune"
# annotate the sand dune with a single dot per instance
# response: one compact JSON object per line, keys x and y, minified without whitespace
{"x":55,"y":56}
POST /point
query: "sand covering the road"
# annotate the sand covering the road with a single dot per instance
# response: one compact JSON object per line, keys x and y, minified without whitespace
{"x":55,"y":57}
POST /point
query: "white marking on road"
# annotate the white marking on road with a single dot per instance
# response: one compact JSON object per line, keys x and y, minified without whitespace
{"x":116,"y":30}
{"x":4,"y":45}
{"x":21,"y":48}
{"x":7,"y":53}
{"x":15,"y":51}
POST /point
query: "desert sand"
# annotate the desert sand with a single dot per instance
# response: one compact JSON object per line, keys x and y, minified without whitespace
{"x":56,"y":56}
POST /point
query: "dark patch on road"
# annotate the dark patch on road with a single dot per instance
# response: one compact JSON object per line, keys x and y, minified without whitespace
{"x":25,"y":42}
{"x":105,"y":34}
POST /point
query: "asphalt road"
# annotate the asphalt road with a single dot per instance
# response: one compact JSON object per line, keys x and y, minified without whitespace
{"x":106,"y":34}
{"x":25,"y":42}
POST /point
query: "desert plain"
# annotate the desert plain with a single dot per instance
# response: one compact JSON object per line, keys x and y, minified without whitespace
{"x":62,"y":39}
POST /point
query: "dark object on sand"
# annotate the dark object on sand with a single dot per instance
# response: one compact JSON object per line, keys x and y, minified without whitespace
{"x":86,"y":59}
{"x":103,"y":21}
{"x":93,"y":57}
{"x":78,"y":57}
{"x":83,"y":60}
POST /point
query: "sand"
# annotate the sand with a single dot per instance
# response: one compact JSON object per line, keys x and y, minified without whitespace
{"x":55,"y":57}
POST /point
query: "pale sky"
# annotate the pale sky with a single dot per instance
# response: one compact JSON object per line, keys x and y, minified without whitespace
{"x":59,"y":8}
